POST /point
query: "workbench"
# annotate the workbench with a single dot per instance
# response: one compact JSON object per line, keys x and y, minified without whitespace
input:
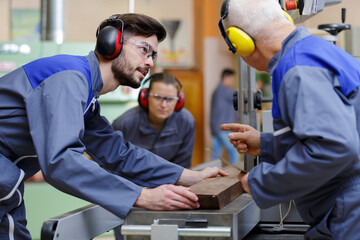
{"x":233,"y":221}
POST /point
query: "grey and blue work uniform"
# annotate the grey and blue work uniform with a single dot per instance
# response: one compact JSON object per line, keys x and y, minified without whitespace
{"x":174,"y":142}
{"x":313,"y":154}
{"x":48,"y":118}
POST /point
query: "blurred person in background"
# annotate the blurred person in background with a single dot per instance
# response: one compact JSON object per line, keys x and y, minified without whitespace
{"x":222,"y":111}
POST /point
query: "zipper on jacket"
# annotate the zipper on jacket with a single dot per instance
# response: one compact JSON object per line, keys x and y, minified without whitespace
{"x":92,"y":103}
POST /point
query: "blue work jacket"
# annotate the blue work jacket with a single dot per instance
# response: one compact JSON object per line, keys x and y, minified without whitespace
{"x":313,"y":154}
{"x":42,"y":126}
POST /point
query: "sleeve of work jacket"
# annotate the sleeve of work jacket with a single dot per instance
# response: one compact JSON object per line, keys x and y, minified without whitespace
{"x":326,"y":142}
{"x":267,"y":148}
{"x":138,"y":165}
{"x":184,"y":155}
{"x":55,"y":112}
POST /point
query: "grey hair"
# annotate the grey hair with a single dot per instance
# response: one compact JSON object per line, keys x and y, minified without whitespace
{"x":259,"y":18}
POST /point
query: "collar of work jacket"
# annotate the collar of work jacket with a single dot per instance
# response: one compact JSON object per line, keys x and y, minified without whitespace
{"x":96,"y":79}
{"x":296,"y":35}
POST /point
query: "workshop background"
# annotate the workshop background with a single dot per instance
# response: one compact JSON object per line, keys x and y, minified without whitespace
{"x":193,"y":51}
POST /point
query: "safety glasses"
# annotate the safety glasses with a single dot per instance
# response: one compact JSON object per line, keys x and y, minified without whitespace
{"x":145,"y":49}
{"x":160,"y":99}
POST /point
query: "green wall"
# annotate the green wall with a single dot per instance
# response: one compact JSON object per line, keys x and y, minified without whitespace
{"x":43,"y":201}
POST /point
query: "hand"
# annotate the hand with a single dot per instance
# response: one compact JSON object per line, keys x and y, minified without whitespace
{"x":244,"y":182}
{"x":190,"y":177}
{"x":245,"y":138}
{"x":212,"y":172}
{"x":167,"y":197}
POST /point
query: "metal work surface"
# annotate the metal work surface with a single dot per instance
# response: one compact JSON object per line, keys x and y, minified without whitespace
{"x":83,"y":223}
{"x":239,"y":217}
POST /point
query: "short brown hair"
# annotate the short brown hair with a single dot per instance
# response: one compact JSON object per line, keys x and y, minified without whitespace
{"x":137,"y":24}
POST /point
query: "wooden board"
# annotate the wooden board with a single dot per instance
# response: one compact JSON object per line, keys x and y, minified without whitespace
{"x":215,"y":193}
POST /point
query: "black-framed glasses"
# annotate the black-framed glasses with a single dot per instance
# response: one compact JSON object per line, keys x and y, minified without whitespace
{"x":146,"y":50}
{"x":159,"y":98}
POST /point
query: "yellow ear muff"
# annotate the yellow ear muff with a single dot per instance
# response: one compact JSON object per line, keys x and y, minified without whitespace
{"x":242,"y":42}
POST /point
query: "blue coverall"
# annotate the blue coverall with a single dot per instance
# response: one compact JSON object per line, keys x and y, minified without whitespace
{"x":42,"y":126}
{"x":313,"y":155}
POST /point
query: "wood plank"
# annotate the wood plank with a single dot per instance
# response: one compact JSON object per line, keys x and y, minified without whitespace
{"x":215,"y":193}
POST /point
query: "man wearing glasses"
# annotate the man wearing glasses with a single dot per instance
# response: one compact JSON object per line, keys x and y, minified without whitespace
{"x":49,"y":116}
{"x":160,"y":124}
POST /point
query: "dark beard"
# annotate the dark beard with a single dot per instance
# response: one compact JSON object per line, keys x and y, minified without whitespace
{"x":118,"y":67}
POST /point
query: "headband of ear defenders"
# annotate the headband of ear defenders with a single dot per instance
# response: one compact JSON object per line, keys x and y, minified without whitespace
{"x":236,"y":38}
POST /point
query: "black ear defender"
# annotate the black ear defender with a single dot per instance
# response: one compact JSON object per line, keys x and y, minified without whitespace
{"x":144,"y":96}
{"x":109,"y":39}
{"x":236,"y":38}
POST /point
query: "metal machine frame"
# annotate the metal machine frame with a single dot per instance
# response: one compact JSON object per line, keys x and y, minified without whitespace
{"x":234,"y":221}
{"x":246,"y":109}
{"x":84,"y":223}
